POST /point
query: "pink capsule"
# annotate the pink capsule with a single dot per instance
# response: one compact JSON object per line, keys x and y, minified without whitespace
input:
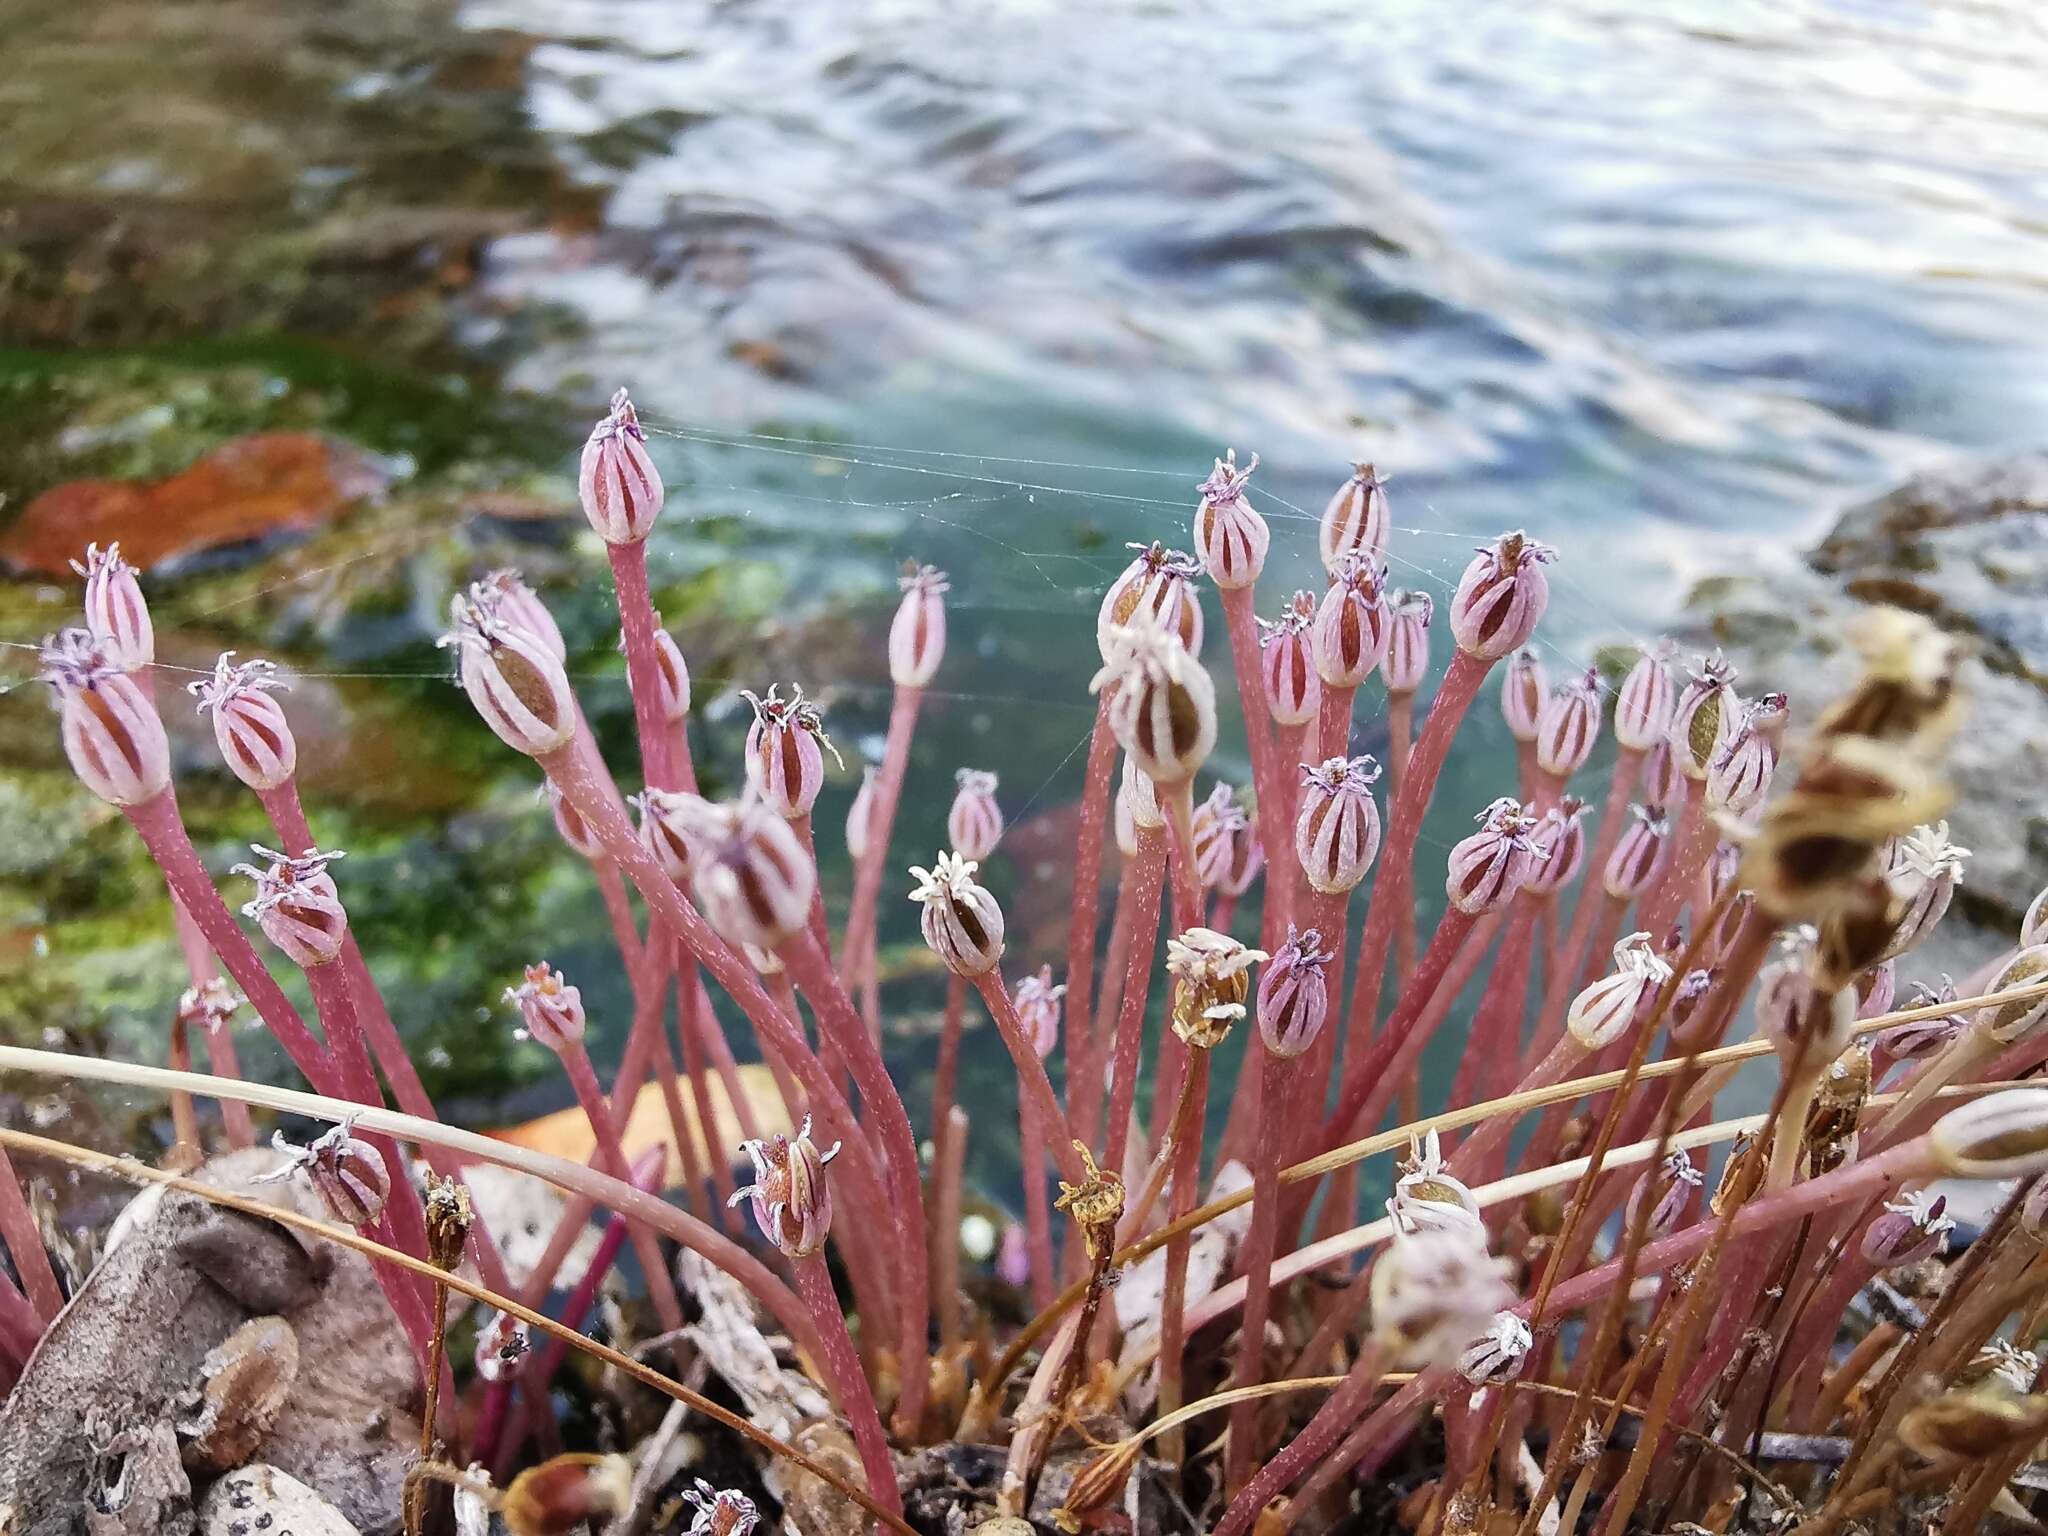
{"x":1922,"y":870}
{"x":917,"y":635}
{"x":618,"y":484}
{"x":1669,"y":1188}
{"x":1406,"y":663}
{"x":790,"y":1195}
{"x":501,"y":1344}
{"x":1353,"y":623}
{"x":1637,"y":861}
{"x":1356,"y":521}
{"x":784,"y":756}
{"x":1561,"y":837}
{"x":975,"y":822}
{"x":1501,"y":596}
{"x":1214,"y":828}
{"x":505,"y":596}
{"x":665,"y":830}
{"x":1247,"y":859}
{"x":512,"y":678}
{"x":549,"y":1008}
{"x":1337,"y":829}
{"x":1569,"y":725}
{"x":1704,"y":717}
{"x":1603,"y":1012}
{"x":1294,"y":994}
{"x":1643,"y":706}
{"x":1489,"y":867}
{"x":1163,"y":706}
{"x":1805,"y":1023}
{"x":1230,"y":536}
{"x":2000,"y":1136}
{"x":1287,"y":663}
{"x":1037,"y":1002}
{"x":347,"y":1173}
{"x":115,"y":612}
{"x":1919,"y":1039}
{"x":1739,"y":776}
{"x":112,"y":733}
{"x":569,"y":824}
{"x":962,"y":922}
{"x":1524,"y":689}
{"x":749,"y":872}
{"x":1911,"y":1228}
{"x":1161,"y":583}
{"x":296,"y":904}
{"x":672,"y":675}
{"x":1693,"y":989}
{"x":1662,"y":783}
{"x":249,"y":726}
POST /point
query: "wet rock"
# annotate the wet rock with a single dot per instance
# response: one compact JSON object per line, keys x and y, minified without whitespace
{"x":260,"y":1500}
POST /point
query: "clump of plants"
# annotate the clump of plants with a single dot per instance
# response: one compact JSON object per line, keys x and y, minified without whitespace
{"x":1555,"y":1323}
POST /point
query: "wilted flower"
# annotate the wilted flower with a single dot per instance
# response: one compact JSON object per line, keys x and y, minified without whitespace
{"x":1923,"y":869}
{"x":1427,"y":1196}
{"x":1704,"y":717}
{"x":1159,"y":583}
{"x":1352,"y":623}
{"x":2007,"y":1364}
{"x":748,"y":870}
{"x":720,"y":1513}
{"x":249,"y":727}
{"x":1638,"y":859}
{"x":1247,"y":859}
{"x":617,"y":482}
{"x":792,"y":1201}
{"x":1560,"y":836}
{"x":1603,"y":1012}
{"x":917,"y":635}
{"x":1496,"y":1354}
{"x":1740,"y":772}
{"x":1096,"y":1203}
{"x":1230,"y":536}
{"x":1435,"y":1291}
{"x":1213,"y":830}
{"x":1355,"y":521}
{"x":112,"y":733}
{"x":115,"y":612}
{"x":296,"y":904}
{"x":550,"y":1009}
{"x":1920,"y":1038}
{"x":512,"y":678}
{"x":1644,"y":703}
{"x":784,"y":762}
{"x":1489,"y":867}
{"x":1337,"y":830}
{"x":2000,"y":1136}
{"x":1913,"y":1227}
{"x":1501,"y":596}
{"x":1669,"y":1188}
{"x":1287,"y":662}
{"x":1835,"y":1115}
{"x":1804,"y":1021}
{"x":1037,"y":1002}
{"x":1524,"y":689}
{"x":1908,"y":685}
{"x":1294,"y":994}
{"x":1164,"y":710}
{"x":505,"y":596}
{"x":347,"y":1173}
{"x":1212,"y":978}
{"x":962,"y":922}
{"x":1406,"y":663}
{"x":501,"y":1344}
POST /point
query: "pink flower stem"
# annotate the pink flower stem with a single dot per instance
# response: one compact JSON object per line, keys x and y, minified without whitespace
{"x":1497,"y":1027}
{"x":1330,"y":1424}
{"x":1365,"y":1447}
{"x":1275,"y":1093}
{"x":1140,"y":890}
{"x":1084,"y":1087}
{"x":1568,"y":974}
{"x":20,"y":1324}
{"x":952,"y":1154}
{"x":1367,"y":1083}
{"x":643,"y":665}
{"x":1628,"y":767}
{"x":849,"y":1383}
{"x":1392,"y":889}
{"x":946,"y":1075}
{"x":1177,"y":802}
{"x":1033,"y":1086}
{"x":723,"y":1063}
{"x":25,"y":1246}
{"x":1691,"y":847}
{"x":856,"y":954}
{"x":1031,"y":1132}
{"x":1333,"y":723}
{"x":719,"y":1170}
{"x":811,"y":969}
{"x":1270,"y":772}
{"x":1187,"y":1178}
{"x":1400,"y":742}
{"x":220,"y":1042}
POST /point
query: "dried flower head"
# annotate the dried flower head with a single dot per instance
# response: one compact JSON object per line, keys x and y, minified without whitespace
{"x":2023,"y":1017}
{"x":249,"y":726}
{"x":785,"y":752}
{"x":617,"y":482}
{"x":1159,"y":583}
{"x":748,"y":869}
{"x":1213,"y":829}
{"x":1406,"y":663}
{"x":1498,"y":1353}
{"x":1640,"y":853}
{"x":790,"y":1196}
{"x":1835,"y":1115}
{"x":1434,"y":1292}
{"x":1604,"y":1011}
{"x":1038,"y":1004}
{"x":296,"y":904}
{"x":1287,"y":662}
{"x":1569,"y":725}
{"x":513,"y":679}
{"x":347,"y":1173}
{"x":974,"y":825}
{"x":1337,"y":830}
{"x":1918,"y":1039}
{"x":1489,"y":867}
{"x":1704,"y":717}
{"x":1974,"y":1424}
{"x":1911,"y":1228}
{"x":1096,"y":1204}
{"x":1427,"y":1196}
{"x":1560,"y":836}
{"x":1163,"y":712}
{"x":720,"y":1513}
{"x":1294,"y":994}
{"x":1501,"y":596}
{"x":1230,"y":536}
{"x":550,"y":1010}
{"x":1211,"y":972}
{"x":112,"y":734}
{"x":917,"y":635}
{"x":1352,"y":623}
{"x":962,"y":922}
{"x":1670,"y":1189}
{"x":2000,"y":1136}
{"x":1355,"y":522}
{"x":115,"y":612}
{"x":1908,"y":687}
{"x":1644,"y":703}
{"x":505,"y":596}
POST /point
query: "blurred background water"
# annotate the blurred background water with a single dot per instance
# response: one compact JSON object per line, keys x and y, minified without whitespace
{"x":982,"y":284}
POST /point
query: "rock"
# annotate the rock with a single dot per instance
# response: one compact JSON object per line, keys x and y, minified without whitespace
{"x":245,"y":1381}
{"x":260,"y":1500}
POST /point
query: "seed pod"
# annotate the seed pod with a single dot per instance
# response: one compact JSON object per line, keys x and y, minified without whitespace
{"x":2022,"y":1018}
{"x":1287,"y":662}
{"x":1434,"y":1292}
{"x":1294,"y":994}
{"x":1804,"y":1022}
{"x":570,"y":824}
{"x":550,"y":1009}
{"x":975,"y":823}
{"x":790,"y":1195}
{"x":1524,"y":690}
{"x":617,"y":482}
{"x":1489,"y":867}
{"x":1501,"y":596}
{"x":2000,"y":1136}
{"x":1908,"y":686}
{"x":859,"y":815}
{"x":749,"y":872}
{"x":1637,"y":862}
{"x":1497,"y":1354}
{"x":1427,"y":1196}
{"x":720,"y":1513}
{"x":1247,"y":859}
{"x":785,"y":763}
{"x":1704,"y":717}
{"x":249,"y":727}
{"x":112,"y":733}
{"x":1604,"y":1011}
{"x":1230,"y":536}
{"x":1337,"y":831}
{"x":1406,"y":663}
{"x":347,"y":1173}
{"x":1923,"y":869}
{"x":2034,"y":926}
{"x":115,"y":613}
{"x":1662,"y":783}
{"x":1211,"y":972}
{"x":1644,"y":703}
{"x":1164,"y":710}
{"x":501,"y":1345}
{"x":1569,"y":725}
{"x":1355,"y":522}
{"x":1095,"y":1487}
{"x":1670,"y":1189}
{"x":565,"y":1493}
{"x":1974,"y":1424}
{"x":1213,"y":830}
{"x":1353,"y":623}
{"x":506,"y":597}
{"x":1740,"y":774}
{"x":1161,"y":583}
{"x":917,"y":635}
{"x":296,"y":904}
{"x":665,"y":830}
{"x":962,"y":922}
{"x":671,"y":675}
{"x":1912,"y":1228}
{"x":1922,"y":1038}
{"x":1693,"y":989}
{"x":512,"y":678}
{"x":1836,"y":1112}
{"x":1037,"y":1002}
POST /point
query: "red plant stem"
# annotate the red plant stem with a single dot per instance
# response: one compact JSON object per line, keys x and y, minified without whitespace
{"x":1178,"y":804}
{"x":1367,"y":1083}
{"x":220,"y":1040}
{"x":1378,"y":1434}
{"x":1490,"y":1134}
{"x":849,"y":1383}
{"x":1031,"y":1132}
{"x":1084,"y":1092}
{"x":643,"y":667}
{"x":20,"y":1326}
{"x":25,"y":1246}
{"x":794,"y":1104}
{"x":811,"y":969}
{"x":1270,"y":770}
{"x":1338,"y":1413}
{"x":1333,"y":723}
{"x":952,"y":1155}
{"x":1275,"y":1104}
{"x":1187,"y":1176}
{"x":1691,"y":847}
{"x":1033,"y":1086}
{"x":618,"y":907}
{"x":719,"y":1049}
{"x":1565,"y":974}
{"x":856,"y":952}
{"x":185,"y":1149}
{"x":1140,"y":887}
{"x":605,"y":1121}
{"x":1628,"y":767}
{"x":719,"y":1170}
{"x":1497,"y":1027}
{"x":1391,"y":892}
{"x":946,"y":1075}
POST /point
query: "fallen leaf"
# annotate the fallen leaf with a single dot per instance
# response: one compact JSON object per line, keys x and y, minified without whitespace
{"x":567,"y":1133}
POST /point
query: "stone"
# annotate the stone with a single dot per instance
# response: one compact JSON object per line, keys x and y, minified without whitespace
{"x":260,"y":1500}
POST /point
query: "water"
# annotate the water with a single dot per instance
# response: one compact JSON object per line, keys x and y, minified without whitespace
{"x":989,"y":284}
